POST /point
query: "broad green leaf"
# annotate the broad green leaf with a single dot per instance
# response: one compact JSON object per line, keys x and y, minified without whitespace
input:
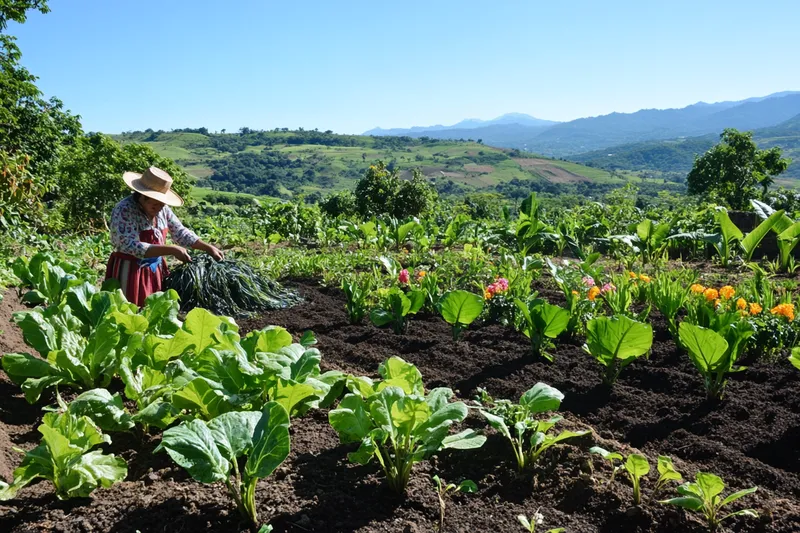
{"x":687,"y":502}
{"x":541,"y":398}
{"x":270,"y":339}
{"x":550,"y":319}
{"x":467,"y":486}
{"x":398,"y":373}
{"x":667,"y":470}
{"x":416,"y":300}
{"x":93,"y":470}
{"x":605,"y":454}
{"x":497,"y":423}
{"x":736,"y":495}
{"x":469,"y":439}
{"x":729,"y":229}
{"x":233,"y":433}
{"x":351,"y":419}
{"x":198,"y":396}
{"x":637,"y":465}
{"x":617,"y":337}
{"x":752,"y":240}
{"x":21,"y":366}
{"x":794,"y":358}
{"x":292,"y":395}
{"x":158,"y":413}
{"x":191,"y":444}
{"x":461,"y":307}
{"x":711,"y":484}
{"x":104,"y":409}
{"x":270,"y":442}
{"x":706,"y":347}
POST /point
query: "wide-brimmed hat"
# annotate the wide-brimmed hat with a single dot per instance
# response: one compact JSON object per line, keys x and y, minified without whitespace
{"x":155,"y":184}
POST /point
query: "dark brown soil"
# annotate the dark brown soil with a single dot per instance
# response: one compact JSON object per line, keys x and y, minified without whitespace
{"x":657,"y":407}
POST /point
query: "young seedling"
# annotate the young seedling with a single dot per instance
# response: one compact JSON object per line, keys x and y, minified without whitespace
{"x":705,"y":496}
{"x":610,"y":457}
{"x":443,"y":489}
{"x":666,"y":472}
{"x":637,"y":467}
{"x":535,"y":520}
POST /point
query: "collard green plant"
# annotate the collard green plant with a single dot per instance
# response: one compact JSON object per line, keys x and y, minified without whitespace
{"x":540,"y":322}
{"x":529,"y":437}
{"x":615,"y":342}
{"x":460,"y":309}
{"x":705,"y":496}
{"x":396,"y":308}
{"x":47,"y":277}
{"x":68,"y":358}
{"x":443,"y":490}
{"x":210,"y":451}
{"x":65,"y":457}
{"x":397,"y":423}
{"x":105,"y":410}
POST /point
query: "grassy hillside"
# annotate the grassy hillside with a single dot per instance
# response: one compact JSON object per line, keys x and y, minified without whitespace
{"x":285,"y":163}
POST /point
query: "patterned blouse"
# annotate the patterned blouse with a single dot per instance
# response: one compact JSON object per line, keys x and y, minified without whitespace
{"x":128,"y":220}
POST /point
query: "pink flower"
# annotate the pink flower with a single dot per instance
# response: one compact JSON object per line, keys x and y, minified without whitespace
{"x":608,"y":287}
{"x":403,"y":277}
{"x":502,"y":284}
{"x":588,"y":281}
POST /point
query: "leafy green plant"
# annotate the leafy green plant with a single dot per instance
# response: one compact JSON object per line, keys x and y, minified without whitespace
{"x":669,"y":292}
{"x":704,"y":495}
{"x":444,"y":489}
{"x":65,"y":457}
{"x":754,"y":238}
{"x":711,"y":354}
{"x":615,"y":342}
{"x":396,"y":307}
{"x":47,"y":277}
{"x":610,"y":457}
{"x":794,"y":358}
{"x":637,"y":467}
{"x":666,"y":473}
{"x":528,"y":436}
{"x":68,"y":357}
{"x":396,"y":423}
{"x":460,"y":309}
{"x":210,"y":451}
{"x":356,"y":292}
{"x":540,"y":322}
{"x":105,"y":410}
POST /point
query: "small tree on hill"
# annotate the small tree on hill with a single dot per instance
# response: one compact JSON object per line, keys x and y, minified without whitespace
{"x":733,"y":169}
{"x":382,"y":192}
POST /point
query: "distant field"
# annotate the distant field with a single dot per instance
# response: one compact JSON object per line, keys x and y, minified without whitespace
{"x":467,"y":164}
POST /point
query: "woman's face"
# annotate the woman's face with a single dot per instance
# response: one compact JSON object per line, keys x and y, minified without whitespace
{"x":150,"y":206}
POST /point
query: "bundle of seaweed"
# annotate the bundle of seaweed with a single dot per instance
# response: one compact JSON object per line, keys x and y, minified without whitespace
{"x":230,"y":288}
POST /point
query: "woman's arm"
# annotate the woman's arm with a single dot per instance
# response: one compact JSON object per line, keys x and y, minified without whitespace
{"x":158,"y":250}
{"x":185,"y":237}
{"x":210,"y":249}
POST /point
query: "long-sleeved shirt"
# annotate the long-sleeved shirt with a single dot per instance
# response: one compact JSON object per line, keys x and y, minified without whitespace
{"x":128,"y":221}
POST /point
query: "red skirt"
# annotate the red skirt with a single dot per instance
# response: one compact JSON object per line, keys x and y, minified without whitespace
{"x":137,"y":282}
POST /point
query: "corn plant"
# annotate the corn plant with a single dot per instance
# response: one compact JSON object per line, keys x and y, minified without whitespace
{"x":528,"y":436}
{"x":705,"y":496}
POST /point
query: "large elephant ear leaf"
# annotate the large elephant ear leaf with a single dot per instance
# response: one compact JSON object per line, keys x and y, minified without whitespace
{"x":270,"y":442}
{"x":706,"y":347}
{"x":550,"y":319}
{"x":461,"y":307}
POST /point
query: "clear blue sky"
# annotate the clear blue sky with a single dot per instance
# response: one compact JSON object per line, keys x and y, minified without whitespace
{"x":352,"y":65}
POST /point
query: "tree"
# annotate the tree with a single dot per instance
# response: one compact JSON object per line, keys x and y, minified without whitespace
{"x":382,"y":192}
{"x":732,"y":170}
{"x":16,"y":10}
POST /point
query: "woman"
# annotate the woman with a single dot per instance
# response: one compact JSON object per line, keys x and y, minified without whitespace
{"x":139,"y":226}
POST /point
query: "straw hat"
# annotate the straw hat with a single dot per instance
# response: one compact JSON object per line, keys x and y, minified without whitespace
{"x":155,"y":184}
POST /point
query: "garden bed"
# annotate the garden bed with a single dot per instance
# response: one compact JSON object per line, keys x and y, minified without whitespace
{"x":657,"y":406}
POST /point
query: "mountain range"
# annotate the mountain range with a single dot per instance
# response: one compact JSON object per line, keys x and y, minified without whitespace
{"x":516,"y":130}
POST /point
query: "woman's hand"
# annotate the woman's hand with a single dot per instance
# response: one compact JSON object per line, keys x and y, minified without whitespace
{"x":181,"y":254}
{"x":215,"y":252}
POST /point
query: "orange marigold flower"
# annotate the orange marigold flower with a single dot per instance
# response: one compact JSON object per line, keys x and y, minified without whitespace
{"x":755,"y":308}
{"x":727,"y":292}
{"x":421,"y":274}
{"x":645,"y":278}
{"x":575,"y":293}
{"x":487,"y":295}
{"x":697,"y":288}
{"x":593,"y":293}
{"x":786,"y":310}
{"x":632,"y":275}
{"x":711,"y":294}
{"x":741,"y":304}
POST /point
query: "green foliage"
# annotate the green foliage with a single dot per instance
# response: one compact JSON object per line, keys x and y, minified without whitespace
{"x":541,"y":321}
{"x":443,"y":489}
{"x":397,"y":306}
{"x":711,"y":354}
{"x":356,"y":290}
{"x":528,"y":436}
{"x":16,"y":10}
{"x":705,"y":496}
{"x":342,"y":203}
{"x":396,"y":423}
{"x":210,"y":451}
{"x":460,"y":309}
{"x":90,"y":177}
{"x":637,"y":467}
{"x":733,"y":169}
{"x":669,"y":292}
{"x":615,"y":342}
{"x":382,"y":192}
{"x":65,"y":458}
